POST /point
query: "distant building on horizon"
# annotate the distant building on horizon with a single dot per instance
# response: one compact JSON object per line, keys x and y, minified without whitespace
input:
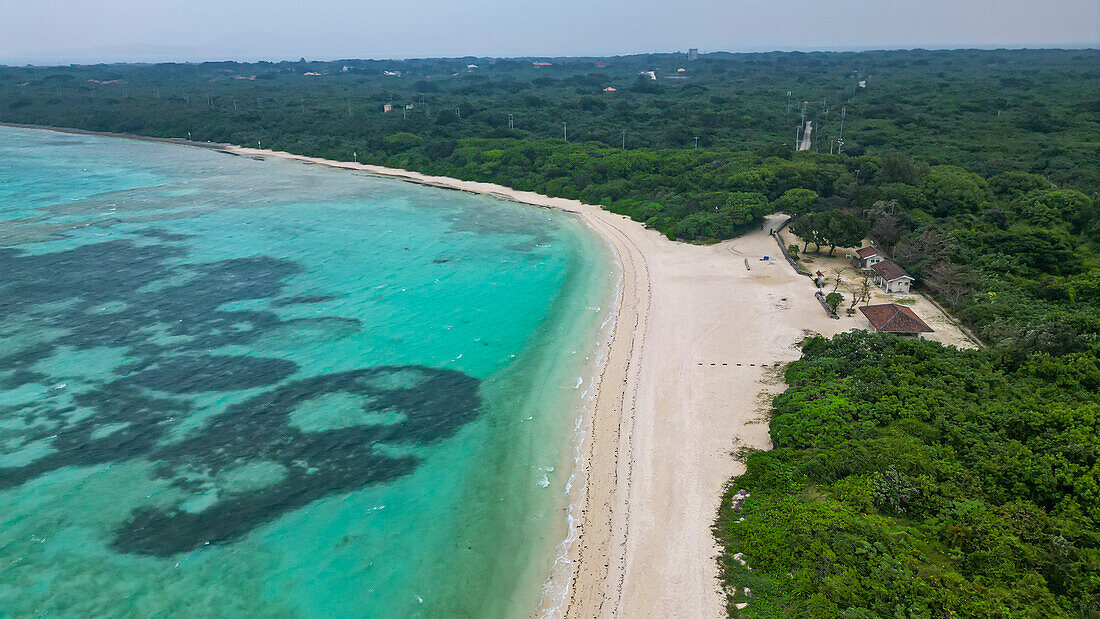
{"x":693,"y":54}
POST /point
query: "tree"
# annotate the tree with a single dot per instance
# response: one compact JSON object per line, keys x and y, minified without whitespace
{"x":838,"y":277}
{"x":1013,"y":184}
{"x":862,"y":294}
{"x":401,"y":141}
{"x":841,"y":229}
{"x":886,"y":226}
{"x":948,"y":282}
{"x":898,"y":168}
{"x":796,"y":201}
{"x":745,"y":207}
{"x":833,"y":299}
{"x":951,"y":190}
{"x":808,"y":228}
{"x":1049,"y":208}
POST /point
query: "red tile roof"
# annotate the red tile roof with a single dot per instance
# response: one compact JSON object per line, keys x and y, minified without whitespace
{"x":867,"y":252}
{"x":889,"y":271}
{"x":894,"y":318}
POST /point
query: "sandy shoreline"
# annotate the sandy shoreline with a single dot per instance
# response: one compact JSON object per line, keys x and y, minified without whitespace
{"x":690,"y":365}
{"x":699,"y":331}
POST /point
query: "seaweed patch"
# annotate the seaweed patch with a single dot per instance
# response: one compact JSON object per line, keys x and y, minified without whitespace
{"x":314,"y":464}
{"x":106,"y":350}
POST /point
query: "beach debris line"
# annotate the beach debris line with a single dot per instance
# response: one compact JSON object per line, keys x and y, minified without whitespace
{"x":736,"y":503}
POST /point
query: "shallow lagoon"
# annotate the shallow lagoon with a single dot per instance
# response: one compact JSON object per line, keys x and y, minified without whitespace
{"x":231,"y":386}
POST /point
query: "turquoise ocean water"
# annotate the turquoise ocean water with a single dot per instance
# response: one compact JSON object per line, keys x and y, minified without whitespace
{"x":238,"y":387}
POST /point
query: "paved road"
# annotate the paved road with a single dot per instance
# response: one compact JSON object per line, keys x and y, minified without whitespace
{"x":805,"y":143}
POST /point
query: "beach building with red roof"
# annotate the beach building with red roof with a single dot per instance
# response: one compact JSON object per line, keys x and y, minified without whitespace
{"x":867,"y":256}
{"x":896,"y":319}
{"x":891,"y":278}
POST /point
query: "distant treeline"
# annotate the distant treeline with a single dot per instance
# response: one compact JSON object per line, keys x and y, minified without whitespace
{"x":988,"y":111}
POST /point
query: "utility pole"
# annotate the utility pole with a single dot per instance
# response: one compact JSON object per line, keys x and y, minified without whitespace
{"x":695,"y":146}
{"x":788,"y":102}
{"x":355,"y":156}
{"x":840,"y":140}
{"x":234,"y":105}
{"x":624,"y":139}
{"x":511,"y":122}
{"x":565,"y":131}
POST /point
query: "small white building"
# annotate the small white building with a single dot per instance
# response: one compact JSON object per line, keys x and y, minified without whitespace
{"x":891,"y":278}
{"x":867,"y":256}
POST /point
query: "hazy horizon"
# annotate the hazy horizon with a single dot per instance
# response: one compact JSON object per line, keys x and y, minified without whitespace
{"x":197,"y":60}
{"x":54,"y":32}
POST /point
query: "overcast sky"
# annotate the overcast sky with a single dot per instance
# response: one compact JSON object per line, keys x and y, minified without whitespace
{"x":63,"y":31}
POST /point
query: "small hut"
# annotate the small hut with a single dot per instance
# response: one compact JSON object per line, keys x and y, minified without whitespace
{"x":896,"y":319}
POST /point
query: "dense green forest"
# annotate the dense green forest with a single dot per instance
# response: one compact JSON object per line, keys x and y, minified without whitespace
{"x":908,"y":479}
{"x":912,"y":480}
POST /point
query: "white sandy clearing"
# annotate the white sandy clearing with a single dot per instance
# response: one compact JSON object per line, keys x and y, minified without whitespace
{"x":946,"y":330}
